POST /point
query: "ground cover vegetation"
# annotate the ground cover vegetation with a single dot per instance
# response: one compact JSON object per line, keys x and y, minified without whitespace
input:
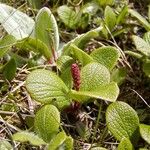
{"x":74,"y":74}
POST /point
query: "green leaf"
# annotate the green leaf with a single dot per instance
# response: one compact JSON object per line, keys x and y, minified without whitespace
{"x":93,"y":76}
{"x":80,"y":55}
{"x":145,"y":132}
{"x":125,"y":144}
{"x":141,"y":45}
{"x":118,"y":75}
{"x":35,"y":4}
{"x":35,"y":45}
{"x":25,"y":136}
{"x":90,"y":8}
{"x":15,"y":22}
{"x":64,"y":62}
{"x":140,"y":18}
{"x":134,"y":54}
{"x":47,"y":122}
{"x":67,"y":77}
{"x":110,"y":18}
{"x":46,"y":29}
{"x":105,"y":2}
{"x":57,"y":141}
{"x":5,"y":145}
{"x":81,"y":40}
{"x":107,"y":92}
{"x":68,"y":16}
{"x":107,"y":56}
{"x":122,"y":15}
{"x":68,"y":144}
{"x":45,"y":86}
{"x":10,"y":69}
{"x":147,"y":37}
{"x":6,"y":43}
{"x":122,"y":121}
{"x":146,"y":68}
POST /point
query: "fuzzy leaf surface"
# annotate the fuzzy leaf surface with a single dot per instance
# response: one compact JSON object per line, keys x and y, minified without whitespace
{"x":15,"y":22}
{"x":57,"y":141}
{"x":141,"y":45}
{"x":145,"y":132}
{"x":122,"y":121}
{"x":45,"y":86}
{"x":68,"y":16}
{"x":107,"y":56}
{"x":80,"y":55}
{"x":93,"y":76}
{"x":5,"y":145}
{"x":110,"y":18}
{"x":25,"y":136}
{"x":47,"y":122}
{"x":125,"y":144}
{"x":36,"y":46}
{"x":140,"y":18}
{"x":81,"y":40}
{"x":46,"y":29}
{"x":107,"y":92}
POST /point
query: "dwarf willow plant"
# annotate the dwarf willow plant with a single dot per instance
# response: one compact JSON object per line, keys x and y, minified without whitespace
{"x":56,"y":91}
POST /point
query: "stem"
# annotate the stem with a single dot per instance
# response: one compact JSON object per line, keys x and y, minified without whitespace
{"x":97,"y":123}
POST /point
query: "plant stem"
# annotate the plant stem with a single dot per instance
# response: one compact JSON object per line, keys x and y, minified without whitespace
{"x":97,"y":123}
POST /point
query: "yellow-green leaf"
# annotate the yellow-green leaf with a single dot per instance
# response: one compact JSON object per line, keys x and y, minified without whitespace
{"x":140,"y":18}
{"x":145,"y":132}
{"x":141,"y":45}
{"x":47,"y":122}
{"x":94,"y":75}
{"x":25,"y":136}
{"x":107,"y":56}
{"x":110,"y":18}
{"x":122,"y":121}
{"x":57,"y":141}
{"x":45,"y":86}
{"x":125,"y":144}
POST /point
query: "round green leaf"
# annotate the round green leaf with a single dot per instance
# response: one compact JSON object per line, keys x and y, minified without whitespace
{"x":5,"y":145}
{"x":107,"y":56}
{"x":47,"y":121}
{"x":57,"y":141}
{"x":68,"y":143}
{"x":45,"y":86}
{"x":122,"y":121}
{"x":145,"y":132}
{"x":93,"y":76}
{"x":125,"y":144}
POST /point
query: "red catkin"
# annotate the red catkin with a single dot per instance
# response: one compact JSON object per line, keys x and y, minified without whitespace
{"x":75,"y":71}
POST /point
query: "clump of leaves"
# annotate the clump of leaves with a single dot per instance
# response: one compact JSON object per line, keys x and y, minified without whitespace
{"x":46,"y":124}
